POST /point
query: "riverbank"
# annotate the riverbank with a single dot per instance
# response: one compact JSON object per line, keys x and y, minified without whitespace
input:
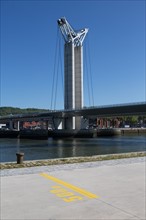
{"x":71,"y":160}
{"x":43,"y":134}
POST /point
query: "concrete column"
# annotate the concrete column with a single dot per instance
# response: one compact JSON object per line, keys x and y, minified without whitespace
{"x":47,"y":124}
{"x":78,"y":77}
{"x":78,"y":51}
{"x":73,"y":85}
{"x":69,"y":97}
{"x":18,"y":125}
{"x":10,"y":124}
{"x":69,"y":90}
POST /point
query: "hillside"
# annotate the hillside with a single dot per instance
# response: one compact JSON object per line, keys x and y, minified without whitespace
{"x":13,"y":110}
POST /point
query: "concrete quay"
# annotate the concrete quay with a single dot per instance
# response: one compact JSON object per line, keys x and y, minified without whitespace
{"x":85,"y":133}
{"x":105,"y":190}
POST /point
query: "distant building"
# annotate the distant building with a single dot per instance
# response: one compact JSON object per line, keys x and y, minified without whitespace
{"x":32,"y":124}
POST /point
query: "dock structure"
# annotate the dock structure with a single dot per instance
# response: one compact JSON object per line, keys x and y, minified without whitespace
{"x":73,"y":71}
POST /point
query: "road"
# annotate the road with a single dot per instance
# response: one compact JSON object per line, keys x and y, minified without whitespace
{"x":96,"y":190}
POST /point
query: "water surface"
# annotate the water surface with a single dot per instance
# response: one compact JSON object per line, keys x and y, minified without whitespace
{"x":60,"y":148}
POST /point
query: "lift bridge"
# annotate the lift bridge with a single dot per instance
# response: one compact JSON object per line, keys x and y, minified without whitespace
{"x":73,"y":71}
{"x":56,"y":117}
{"x":73,"y":115}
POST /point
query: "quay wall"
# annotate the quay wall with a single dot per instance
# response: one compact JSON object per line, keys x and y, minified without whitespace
{"x":91,"y":133}
{"x":126,"y":131}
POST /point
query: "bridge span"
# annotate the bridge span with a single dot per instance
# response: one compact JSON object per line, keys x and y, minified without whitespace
{"x":99,"y":111}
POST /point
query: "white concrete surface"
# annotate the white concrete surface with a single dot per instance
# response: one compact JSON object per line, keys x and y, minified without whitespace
{"x":120,"y":190}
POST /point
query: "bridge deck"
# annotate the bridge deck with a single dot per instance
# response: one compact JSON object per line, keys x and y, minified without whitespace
{"x":101,"y":111}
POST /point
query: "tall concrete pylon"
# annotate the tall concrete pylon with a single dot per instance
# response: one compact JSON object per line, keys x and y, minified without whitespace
{"x":73,"y":70}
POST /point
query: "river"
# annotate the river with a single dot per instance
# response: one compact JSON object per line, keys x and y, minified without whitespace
{"x":61,"y":148}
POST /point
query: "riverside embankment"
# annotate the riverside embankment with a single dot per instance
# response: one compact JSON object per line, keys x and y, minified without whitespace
{"x":72,"y":160}
{"x":43,"y":134}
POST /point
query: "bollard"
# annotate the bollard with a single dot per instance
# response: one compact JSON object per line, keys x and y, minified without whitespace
{"x":20,"y":158}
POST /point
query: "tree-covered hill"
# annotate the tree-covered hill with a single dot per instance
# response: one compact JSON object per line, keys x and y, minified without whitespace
{"x":13,"y":110}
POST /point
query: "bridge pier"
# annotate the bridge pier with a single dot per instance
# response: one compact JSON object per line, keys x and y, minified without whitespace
{"x":69,"y":123}
{"x":78,"y":120}
{"x":58,"y":123}
{"x":17,"y":125}
{"x":72,"y":123}
{"x":14,"y":125}
{"x":11,"y":125}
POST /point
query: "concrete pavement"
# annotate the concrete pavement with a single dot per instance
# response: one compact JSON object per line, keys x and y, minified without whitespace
{"x":109,"y":191}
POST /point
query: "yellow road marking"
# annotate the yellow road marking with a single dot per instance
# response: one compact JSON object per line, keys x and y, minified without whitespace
{"x":65,"y":194}
{"x":72,"y":187}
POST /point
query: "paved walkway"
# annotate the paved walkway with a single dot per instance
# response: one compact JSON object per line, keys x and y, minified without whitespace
{"x":106,"y":190}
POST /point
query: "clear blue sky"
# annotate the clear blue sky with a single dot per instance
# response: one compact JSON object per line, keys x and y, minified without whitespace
{"x":115,"y":44}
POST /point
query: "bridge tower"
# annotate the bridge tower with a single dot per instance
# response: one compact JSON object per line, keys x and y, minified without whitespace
{"x":73,"y":70}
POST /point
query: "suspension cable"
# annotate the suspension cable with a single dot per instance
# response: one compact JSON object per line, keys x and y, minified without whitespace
{"x":58,"y":63}
{"x":56,"y":84}
{"x":57,"y":67}
{"x":90,"y":71}
{"x":87,"y":75}
{"x":61,"y":66}
{"x":54,"y":70}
